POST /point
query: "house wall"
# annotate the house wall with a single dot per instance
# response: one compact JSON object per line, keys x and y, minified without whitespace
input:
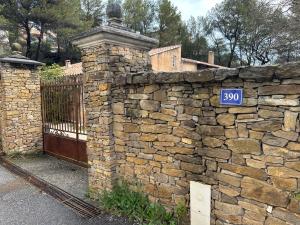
{"x":163,"y":62}
{"x":186,"y":66}
{"x":20,"y":109}
{"x":169,"y":129}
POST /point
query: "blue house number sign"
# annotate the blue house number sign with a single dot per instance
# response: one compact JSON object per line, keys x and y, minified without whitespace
{"x":231,"y":97}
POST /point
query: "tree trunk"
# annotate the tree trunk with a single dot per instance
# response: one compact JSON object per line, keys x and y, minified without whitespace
{"x":28,"y":40}
{"x":37,"y":54}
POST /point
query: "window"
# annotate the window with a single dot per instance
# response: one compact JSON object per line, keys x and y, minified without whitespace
{"x":174,"y":61}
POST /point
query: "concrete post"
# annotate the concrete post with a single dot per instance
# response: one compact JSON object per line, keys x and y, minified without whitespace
{"x":107,"y":52}
{"x":20,"y":106}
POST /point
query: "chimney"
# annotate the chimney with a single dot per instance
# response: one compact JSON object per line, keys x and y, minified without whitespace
{"x":68,"y":63}
{"x":211,"y":57}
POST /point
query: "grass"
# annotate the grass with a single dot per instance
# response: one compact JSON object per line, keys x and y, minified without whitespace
{"x":22,"y":155}
{"x":136,"y":205}
{"x":297,"y":196}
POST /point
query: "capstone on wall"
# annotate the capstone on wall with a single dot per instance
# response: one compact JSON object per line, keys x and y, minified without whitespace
{"x":20,"y":109}
{"x":169,"y":129}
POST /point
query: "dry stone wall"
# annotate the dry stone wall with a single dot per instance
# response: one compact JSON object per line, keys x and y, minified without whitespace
{"x":169,"y":129}
{"x":20,"y":109}
{"x":101,"y":65}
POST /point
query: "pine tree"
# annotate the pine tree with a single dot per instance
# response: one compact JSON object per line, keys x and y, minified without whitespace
{"x":169,"y":20}
{"x":139,"y":15}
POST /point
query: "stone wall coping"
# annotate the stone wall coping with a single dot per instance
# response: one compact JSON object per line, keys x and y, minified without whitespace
{"x":114,"y":35}
{"x":257,"y":73}
{"x":23,"y":61}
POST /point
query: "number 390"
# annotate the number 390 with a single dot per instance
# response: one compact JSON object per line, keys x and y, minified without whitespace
{"x":231,"y":96}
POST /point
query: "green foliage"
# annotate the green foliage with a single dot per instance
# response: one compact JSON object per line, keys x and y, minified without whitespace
{"x":51,"y":72}
{"x":137,"y":206}
{"x":169,"y":20}
{"x":181,"y":212}
{"x":139,"y":15}
{"x":297,"y":196}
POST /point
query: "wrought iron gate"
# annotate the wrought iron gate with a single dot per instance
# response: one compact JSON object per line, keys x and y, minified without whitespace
{"x":64,"y":118}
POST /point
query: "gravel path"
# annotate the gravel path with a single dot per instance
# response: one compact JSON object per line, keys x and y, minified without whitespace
{"x":24,"y":204}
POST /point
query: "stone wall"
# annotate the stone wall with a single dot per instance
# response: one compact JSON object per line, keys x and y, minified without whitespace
{"x":20,"y":109}
{"x":168,"y":129}
{"x":101,"y":65}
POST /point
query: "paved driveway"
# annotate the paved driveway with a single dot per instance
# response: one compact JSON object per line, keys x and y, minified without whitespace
{"x":23,"y":204}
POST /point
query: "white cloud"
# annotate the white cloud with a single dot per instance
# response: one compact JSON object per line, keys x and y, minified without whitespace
{"x":194,"y":8}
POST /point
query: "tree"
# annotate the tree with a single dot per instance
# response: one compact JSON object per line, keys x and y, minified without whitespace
{"x":93,"y":11}
{"x":139,"y":15}
{"x":169,"y":20}
{"x":194,"y":43}
{"x":226,"y":19}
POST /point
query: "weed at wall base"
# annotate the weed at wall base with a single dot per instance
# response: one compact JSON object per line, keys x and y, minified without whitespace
{"x":137,"y":206}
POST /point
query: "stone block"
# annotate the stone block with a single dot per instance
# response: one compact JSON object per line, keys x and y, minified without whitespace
{"x":266,"y":114}
{"x":229,"y":208}
{"x":290,"y":120}
{"x":230,"y":191}
{"x":293,"y":165}
{"x":291,"y":89}
{"x":286,"y":184}
{"x":150,"y":105}
{"x":173,"y":172}
{"x":268,"y":125}
{"x":185,"y":133}
{"x":180,"y":150}
{"x":263,"y":192}
{"x":212,"y":142}
{"x":256,"y":163}
{"x":274,"y":221}
{"x":202,"y":76}
{"x":138,"y":96}
{"x":211,"y":130}
{"x":274,"y":141}
{"x":277,"y":102}
{"x":231,"y":133}
{"x":155,"y":129}
{"x":168,"y":138}
{"x":118,"y":108}
{"x":232,"y":180}
{"x":242,"y":110}
{"x":160,"y":95}
{"x":226,"y":119}
{"x":283,"y":172}
{"x":131,"y":128}
{"x":161,"y":116}
{"x":194,"y":168}
{"x":278,"y":151}
{"x":244,"y":146}
{"x":246,"y":171}
{"x":228,"y":218}
{"x":285,"y":215}
{"x":217,"y":153}
{"x":289,"y":135}
{"x":294,"y":146}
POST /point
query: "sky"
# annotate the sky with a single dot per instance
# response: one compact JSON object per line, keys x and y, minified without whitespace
{"x":194,"y":8}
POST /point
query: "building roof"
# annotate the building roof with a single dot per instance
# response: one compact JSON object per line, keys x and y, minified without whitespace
{"x":164,"y":49}
{"x":73,"y":69}
{"x":201,"y":63}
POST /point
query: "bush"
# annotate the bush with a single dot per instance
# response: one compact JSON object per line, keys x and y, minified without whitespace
{"x":51,"y":72}
{"x":137,"y":206}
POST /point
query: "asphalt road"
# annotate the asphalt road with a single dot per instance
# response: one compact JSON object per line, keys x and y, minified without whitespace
{"x":24,"y":204}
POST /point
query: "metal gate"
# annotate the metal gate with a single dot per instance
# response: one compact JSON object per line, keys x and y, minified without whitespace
{"x":63,"y":117}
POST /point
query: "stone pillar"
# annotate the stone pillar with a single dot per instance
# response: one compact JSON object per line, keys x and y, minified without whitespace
{"x":20,"y":106}
{"x":108,"y":52}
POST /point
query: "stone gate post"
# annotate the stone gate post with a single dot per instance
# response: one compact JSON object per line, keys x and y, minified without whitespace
{"x":107,"y":51}
{"x":20,"y":105}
